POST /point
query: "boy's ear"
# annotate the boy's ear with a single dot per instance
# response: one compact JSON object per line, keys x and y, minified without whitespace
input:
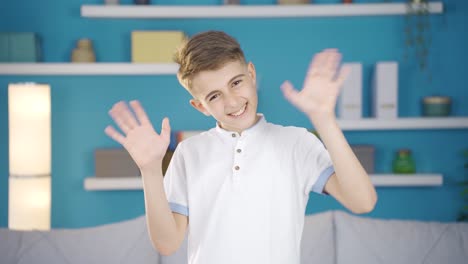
{"x":252,"y":72}
{"x":199,"y":106}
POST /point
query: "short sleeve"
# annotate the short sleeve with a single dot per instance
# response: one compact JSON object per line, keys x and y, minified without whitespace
{"x":175,"y":183}
{"x":313,"y":163}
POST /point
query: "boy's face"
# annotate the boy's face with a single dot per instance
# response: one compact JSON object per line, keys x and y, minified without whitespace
{"x":228,"y":94}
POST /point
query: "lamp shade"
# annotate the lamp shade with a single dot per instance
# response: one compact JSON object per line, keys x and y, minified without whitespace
{"x":29,"y":123}
{"x":29,"y":203}
{"x":29,"y":129}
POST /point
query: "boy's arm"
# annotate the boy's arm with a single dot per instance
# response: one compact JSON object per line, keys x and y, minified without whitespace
{"x":350,"y":184}
{"x":166,"y":229}
{"x":147,"y":148}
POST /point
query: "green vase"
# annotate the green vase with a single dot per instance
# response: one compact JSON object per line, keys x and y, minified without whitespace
{"x":403,"y":162}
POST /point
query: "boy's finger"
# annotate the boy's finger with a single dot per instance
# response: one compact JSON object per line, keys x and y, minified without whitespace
{"x":126,"y":114}
{"x":315,"y":64}
{"x":332,"y":62}
{"x":123,"y":117}
{"x":112,"y":133}
{"x":344,"y":73}
{"x":166,"y":129}
{"x":289,"y":92}
{"x":124,"y":127}
{"x":140,"y":112}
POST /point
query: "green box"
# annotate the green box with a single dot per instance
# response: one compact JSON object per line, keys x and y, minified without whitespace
{"x":20,"y":47}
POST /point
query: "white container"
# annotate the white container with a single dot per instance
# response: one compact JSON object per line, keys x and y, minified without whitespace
{"x":349,"y":103}
{"x":385,"y":90}
{"x":111,"y":2}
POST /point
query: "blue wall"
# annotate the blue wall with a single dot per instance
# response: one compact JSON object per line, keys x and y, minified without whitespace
{"x":280,"y":49}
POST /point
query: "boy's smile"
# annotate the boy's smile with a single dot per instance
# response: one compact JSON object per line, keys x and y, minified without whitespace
{"x":229,"y":94}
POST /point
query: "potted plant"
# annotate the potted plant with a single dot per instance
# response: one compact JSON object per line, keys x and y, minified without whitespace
{"x":463,"y":215}
{"x":417,"y":32}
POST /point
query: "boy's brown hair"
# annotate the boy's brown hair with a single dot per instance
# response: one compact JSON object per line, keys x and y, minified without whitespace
{"x":206,"y":51}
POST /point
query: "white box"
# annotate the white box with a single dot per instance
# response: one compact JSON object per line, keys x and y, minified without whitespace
{"x":385,"y":90}
{"x":349,"y":103}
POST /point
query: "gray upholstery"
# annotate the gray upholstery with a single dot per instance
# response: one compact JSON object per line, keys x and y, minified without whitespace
{"x":365,"y":240}
{"x":328,"y":238}
{"x":318,"y":239}
{"x":10,"y":242}
{"x":123,"y":242}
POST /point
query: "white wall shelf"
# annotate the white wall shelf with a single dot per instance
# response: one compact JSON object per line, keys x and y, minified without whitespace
{"x":405,"y":123}
{"x":116,"y":183}
{"x":379,"y":180}
{"x":252,"y":11}
{"x":88,"y":68}
{"x":406,"y":180}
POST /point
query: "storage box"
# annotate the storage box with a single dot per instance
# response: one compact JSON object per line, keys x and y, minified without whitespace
{"x":155,"y":46}
{"x":385,"y":90}
{"x":350,"y":98}
{"x":20,"y":47}
{"x":366,"y":156}
{"x":114,"y":163}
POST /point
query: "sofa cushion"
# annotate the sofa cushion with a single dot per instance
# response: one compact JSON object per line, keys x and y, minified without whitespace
{"x":365,"y":240}
{"x":10,"y":242}
{"x":122,"y":242}
{"x":318,"y":240}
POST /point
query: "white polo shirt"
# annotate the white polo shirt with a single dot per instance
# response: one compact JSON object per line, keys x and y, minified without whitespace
{"x":245,"y":195}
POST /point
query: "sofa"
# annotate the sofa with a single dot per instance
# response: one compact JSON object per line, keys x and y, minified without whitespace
{"x":328,"y":238}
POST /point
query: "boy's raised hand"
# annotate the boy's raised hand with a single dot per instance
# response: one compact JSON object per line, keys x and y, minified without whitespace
{"x":321,"y":86}
{"x":143,"y":143}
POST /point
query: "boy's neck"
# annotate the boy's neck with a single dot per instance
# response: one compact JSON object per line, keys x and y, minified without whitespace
{"x":257,"y":118}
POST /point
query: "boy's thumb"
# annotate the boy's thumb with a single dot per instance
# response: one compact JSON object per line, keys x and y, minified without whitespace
{"x":166,"y":128}
{"x":289,"y":92}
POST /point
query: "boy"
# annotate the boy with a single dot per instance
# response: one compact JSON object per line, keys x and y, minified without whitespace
{"x":241,"y":188}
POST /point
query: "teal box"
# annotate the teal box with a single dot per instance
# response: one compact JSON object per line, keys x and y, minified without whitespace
{"x":20,"y":47}
{"x":4,"y":50}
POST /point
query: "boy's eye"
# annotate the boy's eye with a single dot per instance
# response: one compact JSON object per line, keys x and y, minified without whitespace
{"x":237,"y":82}
{"x":213,"y":97}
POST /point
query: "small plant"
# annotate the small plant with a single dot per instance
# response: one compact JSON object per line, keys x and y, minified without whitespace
{"x":463,"y":216}
{"x":417,"y":32}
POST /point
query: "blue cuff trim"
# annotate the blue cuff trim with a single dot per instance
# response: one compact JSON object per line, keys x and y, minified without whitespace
{"x":180,"y":209}
{"x":322,"y":180}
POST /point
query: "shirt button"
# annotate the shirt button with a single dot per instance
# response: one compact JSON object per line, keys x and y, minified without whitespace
{"x":233,"y":135}
{"x":239,"y":150}
{"x":236,"y":167}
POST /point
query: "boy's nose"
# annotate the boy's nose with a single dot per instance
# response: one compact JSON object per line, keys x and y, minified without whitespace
{"x":232,"y":102}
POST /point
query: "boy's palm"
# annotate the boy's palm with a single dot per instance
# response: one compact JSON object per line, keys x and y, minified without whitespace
{"x":321,"y":86}
{"x":146,"y":147}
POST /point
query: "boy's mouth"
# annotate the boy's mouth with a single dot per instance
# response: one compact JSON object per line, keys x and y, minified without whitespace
{"x":240,"y":112}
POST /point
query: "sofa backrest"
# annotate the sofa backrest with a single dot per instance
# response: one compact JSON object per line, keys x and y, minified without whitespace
{"x":329,"y":237}
{"x":122,"y":242}
{"x":318,"y":239}
{"x":366,"y":240}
